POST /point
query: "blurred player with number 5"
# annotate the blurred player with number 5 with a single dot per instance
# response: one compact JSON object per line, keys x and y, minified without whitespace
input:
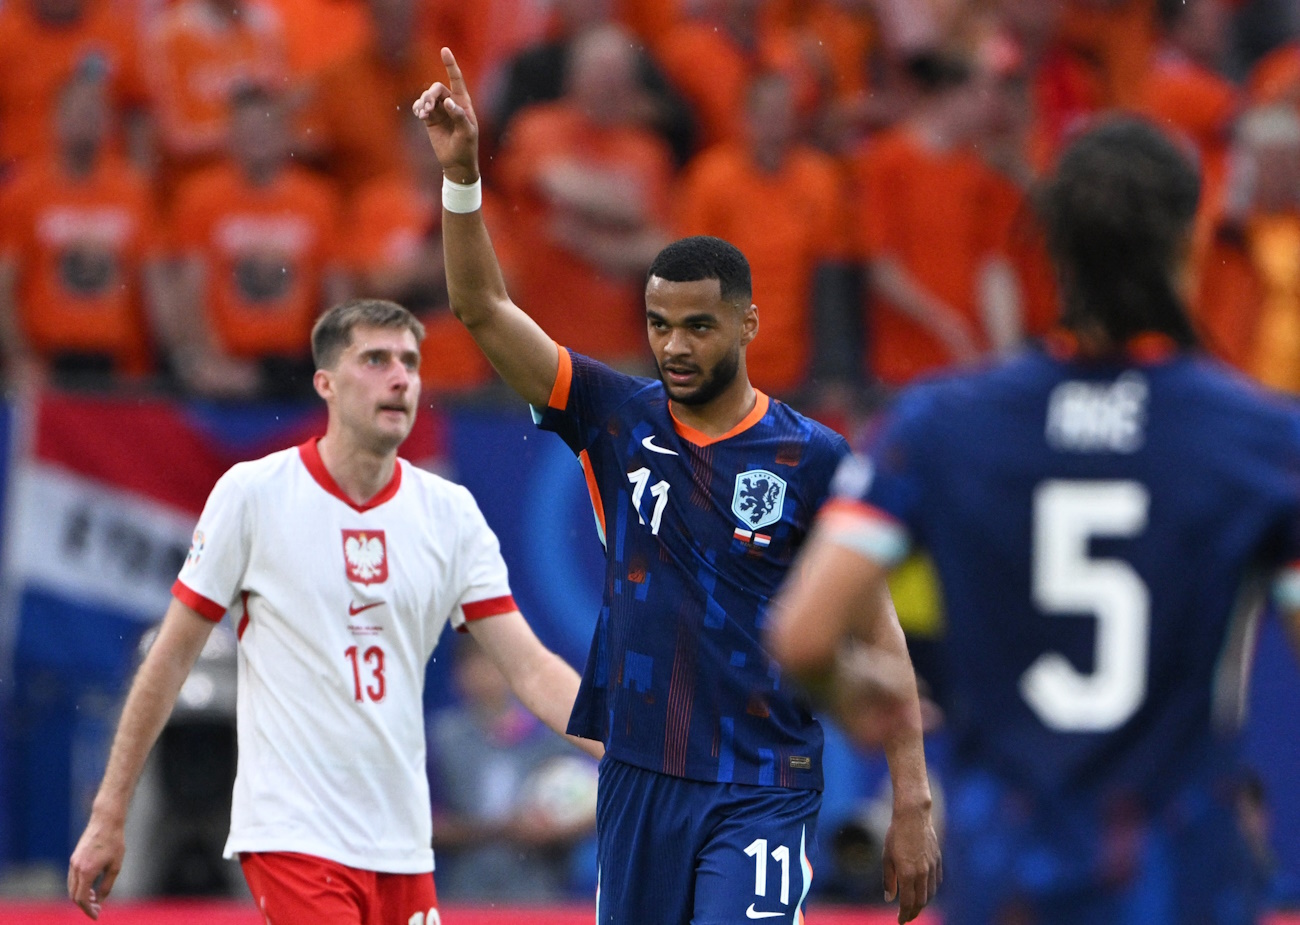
{"x":339,"y":564}
{"x":1107,"y":515}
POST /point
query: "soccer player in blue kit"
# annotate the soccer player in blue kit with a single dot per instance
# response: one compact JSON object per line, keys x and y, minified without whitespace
{"x":704,"y":489}
{"x":1106,"y":516}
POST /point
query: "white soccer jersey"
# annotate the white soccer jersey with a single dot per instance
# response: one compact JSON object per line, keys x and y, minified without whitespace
{"x":338,"y":607}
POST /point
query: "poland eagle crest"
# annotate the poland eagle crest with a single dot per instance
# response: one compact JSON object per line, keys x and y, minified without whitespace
{"x":366,"y":556}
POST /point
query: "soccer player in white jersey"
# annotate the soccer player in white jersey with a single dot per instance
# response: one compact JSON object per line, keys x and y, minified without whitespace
{"x":340,"y":565}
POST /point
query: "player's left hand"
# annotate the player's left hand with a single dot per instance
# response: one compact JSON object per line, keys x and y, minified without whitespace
{"x":912,"y":863}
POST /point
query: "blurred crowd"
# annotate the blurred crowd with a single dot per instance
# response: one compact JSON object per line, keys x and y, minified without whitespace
{"x":185,"y":184}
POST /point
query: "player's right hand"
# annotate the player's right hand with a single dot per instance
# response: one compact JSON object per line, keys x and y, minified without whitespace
{"x":448,"y":115}
{"x":95,"y":865}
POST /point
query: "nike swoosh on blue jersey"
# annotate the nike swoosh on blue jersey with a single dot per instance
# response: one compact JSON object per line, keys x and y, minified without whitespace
{"x":751,"y":914}
{"x":649,"y":444}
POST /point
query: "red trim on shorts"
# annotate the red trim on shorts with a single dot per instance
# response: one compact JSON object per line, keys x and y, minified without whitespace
{"x":559,"y":399}
{"x":209,"y":610}
{"x":310,"y":453}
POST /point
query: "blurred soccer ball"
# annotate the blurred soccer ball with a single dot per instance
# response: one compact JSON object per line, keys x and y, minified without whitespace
{"x":562,"y":791}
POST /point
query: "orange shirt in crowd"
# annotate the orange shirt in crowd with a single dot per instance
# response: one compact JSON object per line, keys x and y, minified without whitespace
{"x":1228,"y":299}
{"x":1024,"y":245}
{"x":358,"y":109}
{"x":321,"y":33}
{"x":1199,"y":104}
{"x":485,"y":35}
{"x":1120,"y":36}
{"x":1065,"y":91}
{"x":786,"y":223}
{"x":265,"y":250}
{"x":839,"y":41}
{"x":36,"y":61}
{"x":930,"y":211}
{"x":80,"y":244}
{"x":1276,"y":77}
{"x":1272,"y":246}
{"x":574,"y":301}
{"x":391,"y":220}
{"x":195,"y":57}
{"x":651,"y":20}
{"x":712,"y":71}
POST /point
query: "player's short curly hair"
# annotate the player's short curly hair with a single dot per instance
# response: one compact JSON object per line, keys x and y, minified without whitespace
{"x":1118,"y":214}
{"x":704,"y":257}
{"x":332,"y":333}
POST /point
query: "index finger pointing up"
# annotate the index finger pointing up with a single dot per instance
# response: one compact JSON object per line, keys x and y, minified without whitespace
{"x":454,"y":76}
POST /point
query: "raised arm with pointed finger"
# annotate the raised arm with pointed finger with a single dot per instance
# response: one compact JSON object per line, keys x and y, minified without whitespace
{"x":519,"y":349}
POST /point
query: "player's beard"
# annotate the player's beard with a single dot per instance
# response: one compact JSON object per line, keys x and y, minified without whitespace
{"x":718,"y":380}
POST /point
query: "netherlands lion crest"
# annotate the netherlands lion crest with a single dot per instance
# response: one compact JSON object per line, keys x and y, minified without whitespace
{"x":759,"y":498}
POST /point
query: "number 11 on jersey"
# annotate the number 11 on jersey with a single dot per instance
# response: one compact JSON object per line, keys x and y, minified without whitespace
{"x":659,"y":491}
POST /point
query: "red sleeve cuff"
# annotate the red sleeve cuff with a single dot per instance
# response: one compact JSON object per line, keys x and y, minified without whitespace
{"x":210,"y":610}
{"x":478,"y":610}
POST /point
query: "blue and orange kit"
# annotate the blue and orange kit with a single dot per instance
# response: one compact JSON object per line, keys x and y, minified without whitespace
{"x":1105,"y":531}
{"x":698,"y":532}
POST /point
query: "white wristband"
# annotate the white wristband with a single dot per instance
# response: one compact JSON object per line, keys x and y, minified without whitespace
{"x":462,"y":197}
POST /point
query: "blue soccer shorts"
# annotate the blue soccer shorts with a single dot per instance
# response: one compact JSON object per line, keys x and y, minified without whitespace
{"x":1006,"y":860}
{"x":675,"y":852}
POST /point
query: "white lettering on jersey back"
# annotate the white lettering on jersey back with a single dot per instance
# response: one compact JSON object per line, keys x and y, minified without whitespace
{"x":1098,"y":417}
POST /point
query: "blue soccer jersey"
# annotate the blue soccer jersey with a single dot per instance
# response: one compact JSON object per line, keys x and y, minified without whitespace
{"x":1104,"y":534}
{"x":698,"y":534}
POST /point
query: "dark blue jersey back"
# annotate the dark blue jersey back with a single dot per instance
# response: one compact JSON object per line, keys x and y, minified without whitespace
{"x":698,"y":535}
{"x":1101,"y":532}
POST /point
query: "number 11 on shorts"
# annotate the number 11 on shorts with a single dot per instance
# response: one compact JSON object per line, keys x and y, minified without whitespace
{"x":758,"y":851}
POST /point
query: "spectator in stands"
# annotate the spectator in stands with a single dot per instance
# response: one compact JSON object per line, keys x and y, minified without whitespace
{"x":79,"y":252}
{"x":321,"y":33}
{"x":358,"y":105}
{"x":394,"y":244}
{"x":1250,"y":286}
{"x":588,"y":191}
{"x":42,"y":42}
{"x":857,"y":64}
{"x":712,"y":54}
{"x":937,"y":275}
{"x":497,"y":833}
{"x":197,"y":53}
{"x":782,"y":202}
{"x":258,"y":241}
{"x":1186,"y":93}
{"x":1064,"y":87}
{"x":1275,"y":78}
{"x":1118,"y":38}
{"x":490,"y":34}
{"x":536,"y":75}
